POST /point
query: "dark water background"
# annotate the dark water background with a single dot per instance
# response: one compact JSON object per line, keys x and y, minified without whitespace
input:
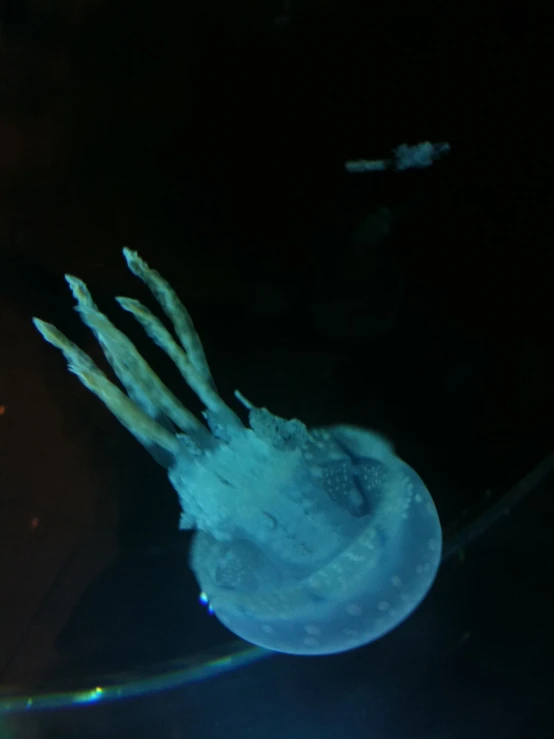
{"x":212,"y":140}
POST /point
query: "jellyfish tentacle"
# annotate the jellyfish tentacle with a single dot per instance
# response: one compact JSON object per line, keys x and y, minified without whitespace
{"x":174,"y":310}
{"x":142,"y":384}
{"x":191,"y":359}
{"x":128,"y":413}
{"x":156,"y":331}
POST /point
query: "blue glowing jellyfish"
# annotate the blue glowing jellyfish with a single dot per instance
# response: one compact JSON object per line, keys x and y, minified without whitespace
{"x":308,"y":541}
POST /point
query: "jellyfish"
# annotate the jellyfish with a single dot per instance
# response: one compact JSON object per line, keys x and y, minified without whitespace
{"x":307,"y":541}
